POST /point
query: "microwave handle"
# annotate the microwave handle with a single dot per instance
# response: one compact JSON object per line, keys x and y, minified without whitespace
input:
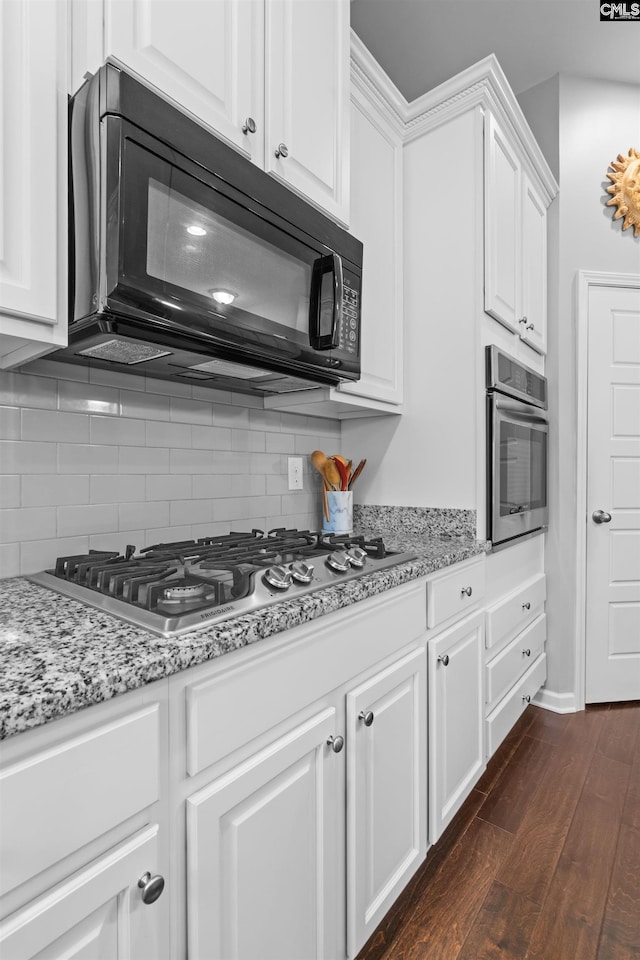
{"x":318,"y":338}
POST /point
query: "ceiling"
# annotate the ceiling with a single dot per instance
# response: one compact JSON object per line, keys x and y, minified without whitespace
{"x":421,"y":43}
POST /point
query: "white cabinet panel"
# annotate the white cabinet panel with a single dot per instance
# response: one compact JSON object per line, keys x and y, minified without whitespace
{"x":264,"y":852}
{"x":386,"y":791}
{"x":502,"y":226}
{"x":533,"y":328}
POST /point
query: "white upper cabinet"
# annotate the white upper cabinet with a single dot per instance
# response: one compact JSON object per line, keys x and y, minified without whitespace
{"x":33,"y":246}
{"x":269,"y":76}
{"x":208,"y":57}
{"x":515,"y":240}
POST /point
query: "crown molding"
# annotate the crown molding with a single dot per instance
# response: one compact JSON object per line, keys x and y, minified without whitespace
{"x":484,"y":84}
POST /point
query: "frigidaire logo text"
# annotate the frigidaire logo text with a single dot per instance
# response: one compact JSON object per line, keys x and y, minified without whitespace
{"x":216,"y":612}
{"x":620,"y":11}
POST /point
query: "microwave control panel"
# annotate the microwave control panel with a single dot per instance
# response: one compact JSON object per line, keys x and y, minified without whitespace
{"x":349,"y":333}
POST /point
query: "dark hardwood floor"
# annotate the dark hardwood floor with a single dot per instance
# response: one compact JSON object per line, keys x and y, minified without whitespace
{"x":543,"y":860}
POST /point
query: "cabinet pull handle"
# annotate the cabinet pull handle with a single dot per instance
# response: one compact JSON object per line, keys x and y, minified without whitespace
{"x":527,"y":605}
{"x":526,"y":653}
{"x":336,"y":743}
{"x":526,"y":699}
{"x":444,"y":660}
{"x":523,"y":319}
{"x":466,"y":591}
{"x":151,"y":887}
{"x":282,"y":150}
{"x":249,"y":126}
{"x":367,"y":717}
{"x":530,"y":326}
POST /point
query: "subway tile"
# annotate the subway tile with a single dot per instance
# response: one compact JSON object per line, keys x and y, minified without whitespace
{"x":117,"y":488}
{"x":42,"y":554}
{"x":168,"y":487}
{"x":192,"y":461}
{"x":190,"y":411}
{"x":248,"y":485}
{"x":211,"y":438}
{"x":87,"y":458}
{"x":54,"y":425}
{"x":225,"y":415}
{"x":300,"y":502}
{"x":145,"y":515}
{"x":248,"y":508}
{"x":300,"y":521}
{"x":10,"y":560}
{"x":87,"y":519}
{"x":144,"y":460}
{"x":88,"y":398}
{"x":115,"y":378}
{"x":118,"y":541}
{"x":10,"y":487}
{"x":267,"y":463}
{"x":277,"y":484}
{"x":27,"y":523}
{"x":191,"y":512}
{"x":168,"y":535}
{"x":117,"y":431}
{"x":22,"y":390}
{"x":210,"y":394}
{"x":44,"y":367}
{"x":9,"y":423}
{"x":280,"y":443}
{"x":296,"y":422}
{"x":144,"y":406}
{"x":220,"y":529}
{"x":162,"y":434}
{"x":250,"y":440}
{"x":20,"y":456}
{"x":171,"y":388}
{"x":41,"y":490}
{"x":246,"y":400}
{"x":265,"y":420}
{"x":206,"y":487}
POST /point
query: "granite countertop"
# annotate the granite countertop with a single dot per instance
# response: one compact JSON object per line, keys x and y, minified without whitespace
{"x":60,"y":655}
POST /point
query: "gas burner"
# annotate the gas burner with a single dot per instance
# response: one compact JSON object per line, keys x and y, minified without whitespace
{"x":173,"y":588}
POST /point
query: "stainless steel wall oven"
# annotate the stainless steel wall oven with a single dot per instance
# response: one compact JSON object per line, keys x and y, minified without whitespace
{"x":517,"y":449}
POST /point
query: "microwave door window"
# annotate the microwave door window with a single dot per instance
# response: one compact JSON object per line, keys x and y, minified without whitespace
{"x":523,"y":469}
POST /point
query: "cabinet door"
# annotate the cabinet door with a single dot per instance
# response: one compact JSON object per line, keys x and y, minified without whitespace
{"x":533,"y":328}
{"x":386,"y":791}
{"x":502,"y":246}
{"x":265,"y":852}
{"x":34,"y":161}
{"x":456,"y":705}
{"x":307,"y":99}
{"x":98,"y":914}
{"x":208,"y":57}
{"x":376,"y":219}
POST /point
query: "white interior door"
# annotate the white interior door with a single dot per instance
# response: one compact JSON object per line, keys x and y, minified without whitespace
{"x":613,"y":488}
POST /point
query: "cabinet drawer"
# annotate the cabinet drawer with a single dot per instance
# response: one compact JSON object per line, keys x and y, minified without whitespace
{"x":516,"y":658}
{"x":502,"y":719}
{"x":455,"y":594}
{"x":235,"y":705}
{"x":57,"y":800}
{"x":514,"y":612}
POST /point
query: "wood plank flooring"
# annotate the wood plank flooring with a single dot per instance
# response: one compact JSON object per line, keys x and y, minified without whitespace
{"x":543,"y":860}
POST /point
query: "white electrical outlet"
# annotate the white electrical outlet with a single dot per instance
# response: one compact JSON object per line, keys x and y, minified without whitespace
{"x":295,"y":473}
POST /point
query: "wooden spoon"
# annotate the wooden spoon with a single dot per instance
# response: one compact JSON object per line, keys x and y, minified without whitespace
{"x":356,"y":473}
{"x":319,"y":461}
{"x":332,"y":475}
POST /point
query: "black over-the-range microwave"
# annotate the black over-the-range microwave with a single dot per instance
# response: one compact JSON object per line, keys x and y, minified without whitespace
{"x":189,"y":263}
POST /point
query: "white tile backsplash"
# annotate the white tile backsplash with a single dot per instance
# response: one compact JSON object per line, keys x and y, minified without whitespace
{"x":93,"y":459}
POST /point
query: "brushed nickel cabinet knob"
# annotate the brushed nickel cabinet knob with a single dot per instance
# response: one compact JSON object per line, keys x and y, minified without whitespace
{"x":466,"y":591}
{"x":282,"y":150}
{"x":367,"y":717}
{"x":444,"y":660}
{"x":151,"y":887}
{"x":336,"y":743}
{"x":249,"y":126}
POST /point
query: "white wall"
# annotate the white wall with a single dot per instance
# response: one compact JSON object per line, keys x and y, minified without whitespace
{"x":596,"y":121}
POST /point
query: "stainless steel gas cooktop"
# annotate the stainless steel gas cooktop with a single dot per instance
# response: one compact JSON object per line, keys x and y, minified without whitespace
{"x":172,"y":588}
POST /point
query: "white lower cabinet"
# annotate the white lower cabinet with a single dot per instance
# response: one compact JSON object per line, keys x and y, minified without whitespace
{"x":456,"y":715}
{"x":264,"y":851}
{"x":97,"y":913}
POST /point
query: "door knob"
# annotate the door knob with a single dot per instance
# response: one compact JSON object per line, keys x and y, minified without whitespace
{"x":601,"y":516}
{"x":151,"y":887}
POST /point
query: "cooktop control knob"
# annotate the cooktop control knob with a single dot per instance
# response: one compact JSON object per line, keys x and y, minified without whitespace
{"x":338,"y":561}
{"x":278,"y":577}
{"x":357,"y":556}
{"x":302,"y":572}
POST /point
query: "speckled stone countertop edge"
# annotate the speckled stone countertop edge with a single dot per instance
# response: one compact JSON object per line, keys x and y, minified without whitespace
{"x":60,"y":655}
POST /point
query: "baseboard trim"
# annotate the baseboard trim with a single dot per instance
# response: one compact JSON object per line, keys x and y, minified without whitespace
{"x":557,"y":702}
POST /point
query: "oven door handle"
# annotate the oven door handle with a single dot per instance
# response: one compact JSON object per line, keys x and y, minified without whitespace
{"x":521,"y":411}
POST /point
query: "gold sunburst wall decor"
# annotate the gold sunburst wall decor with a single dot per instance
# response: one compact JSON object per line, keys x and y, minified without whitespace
{"x":625,"y":190}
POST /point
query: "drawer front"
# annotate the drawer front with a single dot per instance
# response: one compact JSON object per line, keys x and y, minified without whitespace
{"x":236,"y":705}
{"x":502,"y":719}
{"x":512,"y":614}
{"x":516,"y":658}
{"x":59,"y":799}
{"x":455,"y":594}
